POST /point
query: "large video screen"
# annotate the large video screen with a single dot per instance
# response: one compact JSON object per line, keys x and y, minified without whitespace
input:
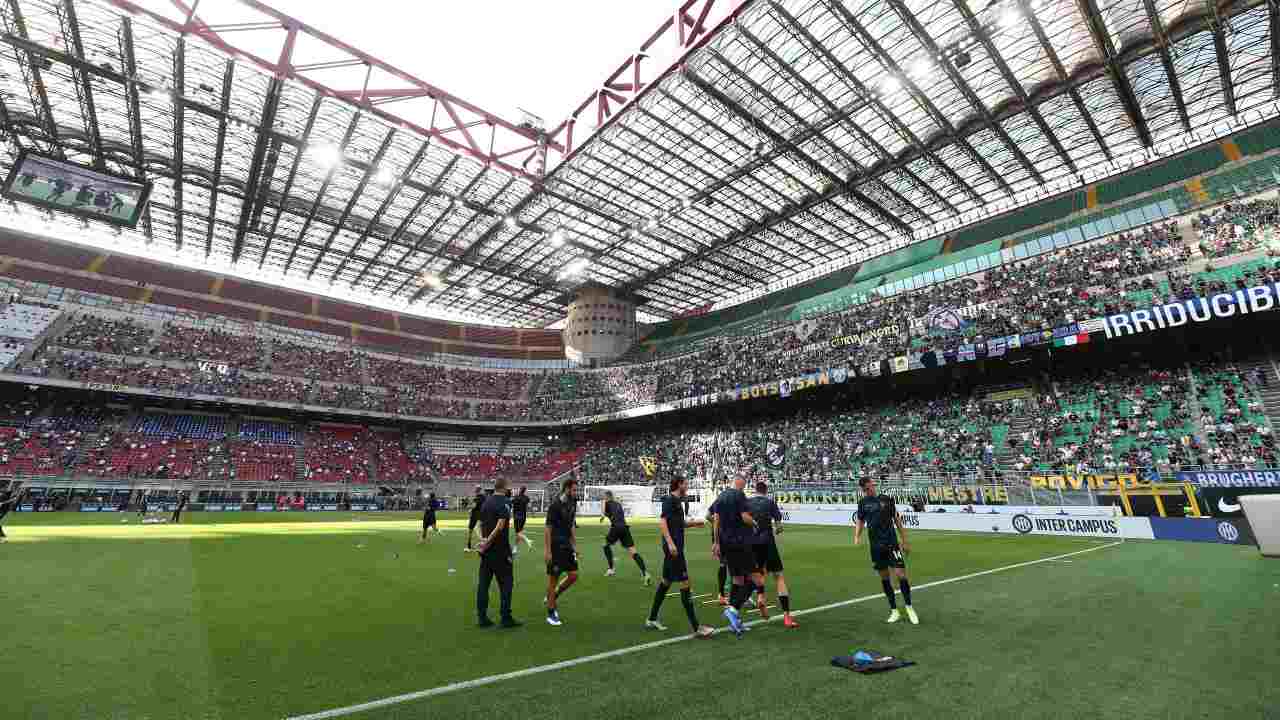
{"x":79,"y":190}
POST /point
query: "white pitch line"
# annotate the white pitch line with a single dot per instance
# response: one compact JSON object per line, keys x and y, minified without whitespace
{"x":585,"y":659}
{"x":691,"y":597}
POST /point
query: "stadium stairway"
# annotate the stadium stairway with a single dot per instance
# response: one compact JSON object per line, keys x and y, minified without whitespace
{"x":1271,"y":393}
{"x":300,"y":462}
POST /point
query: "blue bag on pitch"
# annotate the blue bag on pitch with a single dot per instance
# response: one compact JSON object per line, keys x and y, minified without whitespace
{"x":869,"y":661}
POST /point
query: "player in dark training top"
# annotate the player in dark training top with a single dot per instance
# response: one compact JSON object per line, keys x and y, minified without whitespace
{"x":733,"y":527}
{"x":765,"y":546}
{"x":675,"y":568}
{"x":9,"y":499}
{"x":429,"y":518}
{"x":477,"y":503}
{"x":520,"y":512}
{"x":722,"y":574}
{"x":619,"y":532}
{"x":879,"y":513}
{"x":560,"y":549}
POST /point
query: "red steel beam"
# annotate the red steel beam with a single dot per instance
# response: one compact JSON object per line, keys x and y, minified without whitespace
{"x":284,"y":69}
{"x":674,"y":27}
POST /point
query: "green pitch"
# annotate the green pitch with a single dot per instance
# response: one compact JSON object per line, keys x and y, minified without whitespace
{"x":275,"y":616}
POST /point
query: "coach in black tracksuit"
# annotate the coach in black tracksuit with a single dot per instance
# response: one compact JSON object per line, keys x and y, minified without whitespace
{"x":495,"y":556}
{"x":182,"y":505}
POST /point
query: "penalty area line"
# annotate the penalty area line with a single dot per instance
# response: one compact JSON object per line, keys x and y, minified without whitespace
{"x":585,"y":659}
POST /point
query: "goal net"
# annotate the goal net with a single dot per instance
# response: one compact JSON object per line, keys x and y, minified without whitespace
{"x":637,"y":500}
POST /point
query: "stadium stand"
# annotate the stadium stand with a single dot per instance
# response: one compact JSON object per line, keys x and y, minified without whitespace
{"x":256,"y":461}
{"x":196,"y":427}
{"x":132,"y":455}
{"x":19,"y":325}
{"x":113,"y":336}
{"x":269,"y":431}
{"x":337,"y":455}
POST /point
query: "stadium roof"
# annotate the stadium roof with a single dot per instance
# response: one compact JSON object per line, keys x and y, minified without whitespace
{"x":786,"y":137}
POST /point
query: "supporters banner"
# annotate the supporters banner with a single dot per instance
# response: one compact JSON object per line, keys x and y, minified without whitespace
{"x":968,"y":494}
{"x":1095,"y":482}
{"x":786,"y":386}
{"x":864,"y":338}
{"x":1093,"y":326}
{"x":1232,"y":478}
{"x":1259,"y":298}
{"x":900,"y":364}
{"x":775,"y":454}
{"x":1069,"y":340}
{"x":649,"y":465}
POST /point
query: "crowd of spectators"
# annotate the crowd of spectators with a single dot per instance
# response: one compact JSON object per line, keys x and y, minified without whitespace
{"x":191,"y":344}
{"x":314,"y":362}
{"x":337,"y":455}
{"x":1111,"y":275}
{"x":262,"y":461}
{"x":132,"y":455}
{"x":37,"y":452}
{"x":100,"y":334}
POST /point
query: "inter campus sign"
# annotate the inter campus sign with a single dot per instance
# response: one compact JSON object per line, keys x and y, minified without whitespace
{"x":1256,"y":299}
{"x":1025,"y":524}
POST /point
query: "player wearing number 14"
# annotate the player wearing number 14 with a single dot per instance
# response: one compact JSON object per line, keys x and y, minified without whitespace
{"x":879,"y":513}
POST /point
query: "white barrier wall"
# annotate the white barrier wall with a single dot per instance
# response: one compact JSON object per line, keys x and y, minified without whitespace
{"x":1263,"y":513}
{"x":1019,"y":524}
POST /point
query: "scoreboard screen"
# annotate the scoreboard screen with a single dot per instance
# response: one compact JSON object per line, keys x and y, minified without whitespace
{"x":58,"y":185}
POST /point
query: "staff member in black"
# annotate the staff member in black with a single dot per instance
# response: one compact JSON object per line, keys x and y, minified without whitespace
{"x":495,"y":556}
{"x":520,"y":510}
{"x":182,"y":505}
{"x":9,"y":499}
{"x":429,"y":518}
{"x":477,"y":503}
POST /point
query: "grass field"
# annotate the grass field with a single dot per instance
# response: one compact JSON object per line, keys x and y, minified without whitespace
{"x":267,"y":616}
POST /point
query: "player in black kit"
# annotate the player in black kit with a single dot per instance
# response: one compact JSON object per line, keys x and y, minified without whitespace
{"x":675,"y":568}
{"x":495,"y":556}
{"x":8,"y":500}
{"x":560,"y":549}
{"x":182,"y":505}
{"x":520,"y":511}
{"x":477,"y":503}
{"x":880,"y":514}
{"x":765,"y":546}
{"x":429,"y":518}
{"x":722,"y":574}
{"x":619,"y":532}
{"x":733,"y":529}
